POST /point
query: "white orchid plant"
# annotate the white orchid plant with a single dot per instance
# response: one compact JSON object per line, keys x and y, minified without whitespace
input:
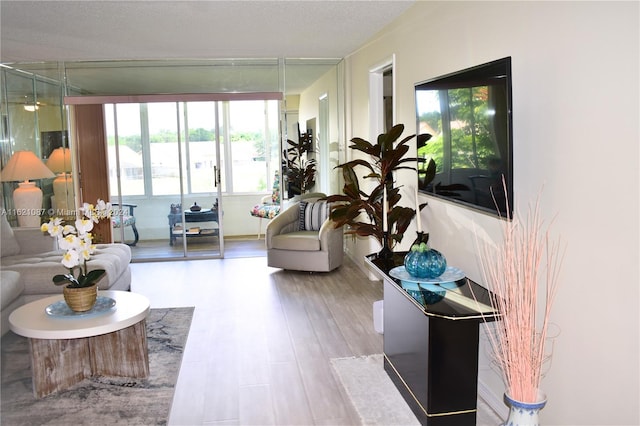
{"x":77,"y":241}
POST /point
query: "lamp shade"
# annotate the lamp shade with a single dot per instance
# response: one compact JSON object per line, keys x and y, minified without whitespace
{"x":60,"y":160}
{"x":24,"y":165}
{"x":27,"y":198}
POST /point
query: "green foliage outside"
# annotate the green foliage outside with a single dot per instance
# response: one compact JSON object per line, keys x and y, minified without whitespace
{"x":262,"y":185}
{"x":134,"y":142}
{"x":472,"y":144}
{"x":195,"y":135}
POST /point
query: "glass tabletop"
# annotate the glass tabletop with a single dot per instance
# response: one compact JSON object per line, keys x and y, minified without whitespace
{"x":451,"y":295}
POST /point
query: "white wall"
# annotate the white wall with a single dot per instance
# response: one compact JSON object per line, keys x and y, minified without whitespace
{"x":576,"y":132}
{"x":309,"y":109}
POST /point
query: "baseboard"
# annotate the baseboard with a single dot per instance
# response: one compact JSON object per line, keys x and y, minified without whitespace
{"x":243,"y":237}
{"x":493,"y":401}
{"x":363,"y":267}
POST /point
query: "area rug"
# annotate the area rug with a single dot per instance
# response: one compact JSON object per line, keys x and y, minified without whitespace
{"x":376,"y":398}
{"x":372,"y":392}
{"x":100,"y":400}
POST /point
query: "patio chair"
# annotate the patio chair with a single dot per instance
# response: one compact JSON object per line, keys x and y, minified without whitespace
{"x":126,"y":219}
{"x":269,"y":206}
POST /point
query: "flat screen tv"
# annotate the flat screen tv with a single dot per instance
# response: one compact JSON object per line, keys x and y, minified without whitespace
{"x":469,"y":117}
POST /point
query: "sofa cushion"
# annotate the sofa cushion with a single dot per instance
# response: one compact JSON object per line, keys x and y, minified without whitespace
{"x":313,"y":215}
{"x":11,"y":287}
{"x":37,"y":270}
{"x":8,"y":243}
{"x":298,"y":241}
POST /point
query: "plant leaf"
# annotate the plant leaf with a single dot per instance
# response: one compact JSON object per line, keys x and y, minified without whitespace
{"x":64,"y":279}
{"x":422,"y":139}
{"x":92,"y":277}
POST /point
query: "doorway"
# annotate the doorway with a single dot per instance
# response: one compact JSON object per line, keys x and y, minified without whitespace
{"x":382,"y":110}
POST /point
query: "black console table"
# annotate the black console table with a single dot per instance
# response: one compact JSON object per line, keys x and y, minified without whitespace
{"x":204,"y":215}
{"x":431,"y":348}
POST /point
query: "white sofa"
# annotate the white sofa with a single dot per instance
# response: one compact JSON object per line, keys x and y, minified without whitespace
{"x":29,"y":260}
{"x":11,"y":289}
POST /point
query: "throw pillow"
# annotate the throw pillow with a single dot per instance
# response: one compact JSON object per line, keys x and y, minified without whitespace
{"x":9,"y":244}
{"x":313,"y":215}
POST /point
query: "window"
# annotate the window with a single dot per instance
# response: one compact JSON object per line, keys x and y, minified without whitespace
{"x":153,"y":142}
{"x":129,"y":152}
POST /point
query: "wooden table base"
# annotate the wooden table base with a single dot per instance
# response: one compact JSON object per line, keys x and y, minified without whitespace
{"x":59,"y":364}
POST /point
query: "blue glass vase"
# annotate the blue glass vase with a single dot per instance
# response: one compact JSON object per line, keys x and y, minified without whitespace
{"x":426,"y":264}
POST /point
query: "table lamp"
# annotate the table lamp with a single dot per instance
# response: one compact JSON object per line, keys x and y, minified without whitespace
{"x":60,"y":162}
{"x":27,"y":198}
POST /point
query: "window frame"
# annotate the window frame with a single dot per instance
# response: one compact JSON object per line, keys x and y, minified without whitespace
{"x":225,"y":137}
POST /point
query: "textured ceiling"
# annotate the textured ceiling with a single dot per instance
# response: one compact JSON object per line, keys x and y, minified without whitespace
{"x":117,"y":30}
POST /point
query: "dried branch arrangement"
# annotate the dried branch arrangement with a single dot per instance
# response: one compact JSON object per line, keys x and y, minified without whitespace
{"x":520,"y":272}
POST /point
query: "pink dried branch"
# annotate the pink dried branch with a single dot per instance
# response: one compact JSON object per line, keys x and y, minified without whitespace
{"x":512,"y":271}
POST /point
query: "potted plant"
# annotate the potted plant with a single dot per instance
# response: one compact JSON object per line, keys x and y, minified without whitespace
{"x":301,"y":170}
{"x":80,"y":288}
{"x":364,"y":212}
{"x":524,"y":265}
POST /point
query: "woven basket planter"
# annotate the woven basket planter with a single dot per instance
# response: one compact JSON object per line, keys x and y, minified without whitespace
{"x":81,"y":299}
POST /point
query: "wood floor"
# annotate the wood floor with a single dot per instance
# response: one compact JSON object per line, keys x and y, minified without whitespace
{"x":238,"y":246}
{"x":261,"y":340}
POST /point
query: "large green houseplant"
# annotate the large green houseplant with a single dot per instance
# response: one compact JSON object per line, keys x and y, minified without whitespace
{"x":301,"y":170}
{"x":363,"y":211}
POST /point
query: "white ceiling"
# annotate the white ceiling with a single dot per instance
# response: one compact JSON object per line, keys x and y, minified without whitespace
{"x":143,"y":37}
{"x":116,"y":30}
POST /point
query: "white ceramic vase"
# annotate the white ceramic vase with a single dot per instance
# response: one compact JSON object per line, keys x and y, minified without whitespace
{"x":524,"y":413}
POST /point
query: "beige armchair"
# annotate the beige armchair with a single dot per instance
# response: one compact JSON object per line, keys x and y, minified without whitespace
{"x":293,"y":248}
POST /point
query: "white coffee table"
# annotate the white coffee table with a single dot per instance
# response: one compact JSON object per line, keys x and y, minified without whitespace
{"x":65,"y":349}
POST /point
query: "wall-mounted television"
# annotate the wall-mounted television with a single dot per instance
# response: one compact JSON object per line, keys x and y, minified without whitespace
{"x":469,"y":117}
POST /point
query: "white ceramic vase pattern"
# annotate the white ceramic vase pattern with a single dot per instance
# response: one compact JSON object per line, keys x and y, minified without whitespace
{"x":524,"y":413}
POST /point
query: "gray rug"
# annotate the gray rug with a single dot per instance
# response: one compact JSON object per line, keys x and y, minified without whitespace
{"x":372,"y":392}
{"x":376,"y":398}
{"x":100,"y":400}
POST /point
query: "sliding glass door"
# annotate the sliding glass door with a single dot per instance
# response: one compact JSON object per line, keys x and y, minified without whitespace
{"x":172,"y":165}
{"x":163,"y":163}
